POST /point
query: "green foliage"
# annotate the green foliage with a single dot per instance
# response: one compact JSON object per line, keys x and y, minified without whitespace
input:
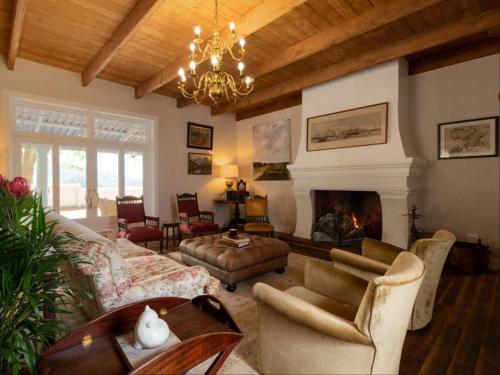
{"x":31,"y":254}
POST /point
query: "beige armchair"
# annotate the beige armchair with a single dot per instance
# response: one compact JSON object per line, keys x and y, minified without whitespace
{"x":377,"y":256}
{"x":338,"y":323}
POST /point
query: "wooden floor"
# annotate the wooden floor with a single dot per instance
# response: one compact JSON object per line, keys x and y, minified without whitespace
{"x":464,"y":335}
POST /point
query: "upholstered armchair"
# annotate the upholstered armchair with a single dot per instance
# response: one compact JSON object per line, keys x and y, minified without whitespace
{"x":134,"y":225}
{"x":377,"y":257}
{"x":337,"y":323}
{"x":193,"y":221}
{"x":257,"y":219}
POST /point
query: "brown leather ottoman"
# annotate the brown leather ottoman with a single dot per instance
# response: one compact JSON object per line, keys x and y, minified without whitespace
{"x":232,"y":265}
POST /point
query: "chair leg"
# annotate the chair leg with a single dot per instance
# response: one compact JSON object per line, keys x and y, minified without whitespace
{"x":161,"y":245}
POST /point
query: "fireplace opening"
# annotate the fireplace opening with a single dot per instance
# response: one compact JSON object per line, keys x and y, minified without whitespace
{"x":345,"y":218}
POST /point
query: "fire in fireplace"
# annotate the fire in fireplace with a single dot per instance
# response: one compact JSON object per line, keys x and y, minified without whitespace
{"x":345,"y":218}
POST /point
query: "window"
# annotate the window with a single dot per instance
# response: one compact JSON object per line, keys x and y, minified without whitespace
{"x":80,"y":159}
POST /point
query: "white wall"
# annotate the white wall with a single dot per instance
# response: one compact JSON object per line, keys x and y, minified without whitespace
{"x":375,"y":85}
{"x":460,"y":194}
{"x":48,"y":82}
{"x":280,"y":195}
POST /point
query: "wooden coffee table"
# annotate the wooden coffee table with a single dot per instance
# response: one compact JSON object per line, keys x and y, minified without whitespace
{"x":203,"y":325}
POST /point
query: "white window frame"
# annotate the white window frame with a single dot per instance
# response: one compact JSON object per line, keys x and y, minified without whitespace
{"x":92,"y":145}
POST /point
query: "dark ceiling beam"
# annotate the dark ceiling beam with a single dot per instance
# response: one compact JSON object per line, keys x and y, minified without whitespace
{"x":141,"y":11}
{"x":15,"y":32}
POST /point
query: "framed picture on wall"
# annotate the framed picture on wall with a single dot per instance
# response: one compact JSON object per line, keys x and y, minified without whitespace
{"x":475,"y":138}
{"x":199,"y":163}
{"x":200,"y":136}
{"x":351,"y":128}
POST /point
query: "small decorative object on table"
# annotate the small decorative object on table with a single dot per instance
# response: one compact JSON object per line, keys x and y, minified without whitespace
{"x":237,"y":242}
{"x":150,"y":331}
{"x":229,"y":171}
{"x":233,"y":233}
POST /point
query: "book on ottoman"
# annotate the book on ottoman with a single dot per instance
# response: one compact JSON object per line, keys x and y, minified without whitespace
{"x":235,"y":242}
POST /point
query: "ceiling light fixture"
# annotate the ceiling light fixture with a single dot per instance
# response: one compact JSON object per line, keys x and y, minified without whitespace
{"x":215,"y":84}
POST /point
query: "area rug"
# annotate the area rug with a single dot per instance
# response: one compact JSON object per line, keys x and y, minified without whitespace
{"x":242,"y":307}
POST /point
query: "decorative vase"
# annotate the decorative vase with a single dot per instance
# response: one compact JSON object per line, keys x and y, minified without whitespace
{"x":150,"y":331}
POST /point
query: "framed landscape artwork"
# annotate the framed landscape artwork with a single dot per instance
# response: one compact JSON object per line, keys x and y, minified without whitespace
{"x":200,"y":136}
{"x":199,"y":163}
{"x":476,"y":138}
{"x":271,"y":151}
{"x":355,"y":127}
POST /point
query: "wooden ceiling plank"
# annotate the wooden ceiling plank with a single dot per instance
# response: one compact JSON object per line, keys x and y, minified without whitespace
{"x":453,"y":31}
{"x":132,"y":22}
{"x":258,"y":17}
{"x":15,"y":33}
{"x":455,"y":55}
{"x":347,"y":30}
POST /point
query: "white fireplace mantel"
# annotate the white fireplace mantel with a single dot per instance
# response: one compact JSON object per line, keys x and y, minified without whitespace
{"x":397,"y":183}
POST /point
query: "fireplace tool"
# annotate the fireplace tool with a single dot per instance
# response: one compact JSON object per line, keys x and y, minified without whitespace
{"x":413,"y":216}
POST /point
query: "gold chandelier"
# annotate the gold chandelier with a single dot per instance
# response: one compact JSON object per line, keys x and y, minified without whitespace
{"x":216,"y":83}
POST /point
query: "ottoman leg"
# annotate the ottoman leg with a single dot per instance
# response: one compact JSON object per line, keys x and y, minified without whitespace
{"x":280,"y":270}
{"x":231,"y":287}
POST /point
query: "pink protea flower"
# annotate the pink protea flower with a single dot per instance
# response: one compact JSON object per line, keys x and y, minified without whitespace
{"x":19,"y":187}
{"x":2,"y":181}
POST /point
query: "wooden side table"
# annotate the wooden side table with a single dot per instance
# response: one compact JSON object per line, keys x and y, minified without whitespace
{"x":203,"y":325}
{"x":174,"y":225}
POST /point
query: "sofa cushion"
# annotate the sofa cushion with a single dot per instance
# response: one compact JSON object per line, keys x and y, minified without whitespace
{"x":195,"y":227}
{"x":128,"y":249}
{"x":145,"y":269}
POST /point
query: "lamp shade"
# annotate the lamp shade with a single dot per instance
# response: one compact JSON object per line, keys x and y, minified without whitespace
{"x":229,"y":171}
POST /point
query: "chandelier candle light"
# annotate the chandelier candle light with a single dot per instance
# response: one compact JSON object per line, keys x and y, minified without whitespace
{"x":216,"y":84}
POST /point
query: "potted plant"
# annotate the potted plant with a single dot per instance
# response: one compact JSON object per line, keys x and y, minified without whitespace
{"x":31,"y":282}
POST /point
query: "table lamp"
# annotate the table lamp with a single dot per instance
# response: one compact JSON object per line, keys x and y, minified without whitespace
{"x":229,"y":171}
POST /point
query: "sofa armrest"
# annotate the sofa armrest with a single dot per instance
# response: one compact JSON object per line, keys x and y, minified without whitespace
{"x":324,"y":278}
{"x":152,"y":221}
{"x":380,"y":251}
{"x":306,"y":314}
{"x":359,"y":262}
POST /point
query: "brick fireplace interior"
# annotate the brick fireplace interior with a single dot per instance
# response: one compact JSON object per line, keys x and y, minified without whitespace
{"x":345,"y":218}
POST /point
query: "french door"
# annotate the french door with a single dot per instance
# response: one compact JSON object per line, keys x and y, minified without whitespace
{"x":78,"y":180}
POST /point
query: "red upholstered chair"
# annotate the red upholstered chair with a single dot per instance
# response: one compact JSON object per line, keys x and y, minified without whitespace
{"x":192,"y":220}
{"x":130,"y":212}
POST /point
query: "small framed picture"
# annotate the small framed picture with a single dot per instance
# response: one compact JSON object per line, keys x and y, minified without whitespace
{"x":199,"y":163}
{"x":475,"y":138}
{"x":200,"y":136}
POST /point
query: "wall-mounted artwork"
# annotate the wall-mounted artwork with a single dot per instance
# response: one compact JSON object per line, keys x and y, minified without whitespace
{"x":476,"y":138}
{"x":355,"y":127}
{"x":200,"y":136}
{"x":271,"y":151}
{"x":199,"y":163}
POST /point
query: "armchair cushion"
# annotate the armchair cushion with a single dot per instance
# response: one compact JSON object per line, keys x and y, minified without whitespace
{"x":196,"y":227}
{"x":142,"y":234}
{"x":361,"y":266}
{"x":258,"y":227}
{"x":344,"y":310}
{"x":381,"y":251}
{"x":324,"y":278}
{"x":305,"y":313}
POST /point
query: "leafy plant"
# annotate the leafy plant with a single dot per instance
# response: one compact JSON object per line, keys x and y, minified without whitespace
{"x":31,"y":255}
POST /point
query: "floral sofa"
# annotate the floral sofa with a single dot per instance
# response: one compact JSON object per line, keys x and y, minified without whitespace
{"x":111,"y":274}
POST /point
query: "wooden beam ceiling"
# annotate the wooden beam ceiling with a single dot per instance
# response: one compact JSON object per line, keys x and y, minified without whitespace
{"x":16,"y":30}
{"x":258,"y":17}
{"x":455,"y":55}
{"x":372,"y":19}
{"x":449,"y":32}
{"x":132,"y":22}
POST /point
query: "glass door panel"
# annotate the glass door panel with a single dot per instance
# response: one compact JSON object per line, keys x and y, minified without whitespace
{"x":36,"y":167}
{"x":107,"y":181}
{"x":73,"y":182}
{"x":133,"y":168}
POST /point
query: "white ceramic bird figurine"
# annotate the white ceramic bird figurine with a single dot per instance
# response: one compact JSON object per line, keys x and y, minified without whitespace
{"x":150,"y":331}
